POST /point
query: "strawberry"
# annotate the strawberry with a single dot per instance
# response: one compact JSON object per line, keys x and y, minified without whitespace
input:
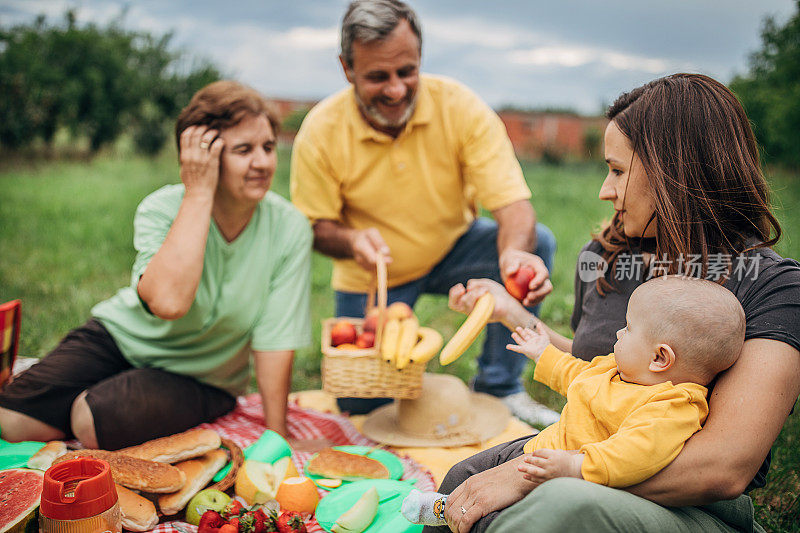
{"x":232,"y":510}
{"x":235,"y":523}
{"x":247,"y":522}
{"x":210,"y":522}
{"x":270,"y":521}
{"x":291,"y":522}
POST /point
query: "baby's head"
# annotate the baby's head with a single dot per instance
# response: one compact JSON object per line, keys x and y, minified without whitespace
{"x":679,"y":329}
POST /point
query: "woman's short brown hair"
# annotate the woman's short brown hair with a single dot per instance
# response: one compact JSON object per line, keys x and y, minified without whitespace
{"x":223,"y":104}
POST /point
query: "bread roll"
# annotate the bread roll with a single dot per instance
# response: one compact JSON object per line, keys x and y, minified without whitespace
{"x":337,"y":464}
{"x":138,"y":513}
{"x":137,"y":474}
{"x":198,"y":473}
{"x":175,"y":448}
{"x":43,"y":459}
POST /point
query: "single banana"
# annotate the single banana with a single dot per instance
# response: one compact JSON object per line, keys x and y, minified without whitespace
{"x":430,"y":342}
{"x":391,"y":334}
{"x":469,"y":330}
{"x":408,"y":338}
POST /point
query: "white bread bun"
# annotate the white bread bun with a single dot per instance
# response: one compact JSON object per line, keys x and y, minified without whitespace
{"x":43,"y":459}
{"x":138,"y":513}
{"x":175,"y":448}
{"x":198,"y":473}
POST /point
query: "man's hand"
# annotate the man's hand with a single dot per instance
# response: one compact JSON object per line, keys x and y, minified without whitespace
{"x":530,"y":343}
{"x":365,"y":245}
{"x":540,"y":286}
{"x":483,"y":493}
{"x":541,"y":465}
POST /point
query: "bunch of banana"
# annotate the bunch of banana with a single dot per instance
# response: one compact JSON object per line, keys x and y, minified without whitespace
{"x":405,"y":342}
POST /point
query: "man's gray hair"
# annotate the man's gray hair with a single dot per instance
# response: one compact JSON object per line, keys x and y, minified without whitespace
{"x":372,"y":20}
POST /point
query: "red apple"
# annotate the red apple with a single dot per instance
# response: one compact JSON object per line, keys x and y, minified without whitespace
{"x":343,"y":332}
{"x":371,"y":321}
{"x":366,"y":340}
{"x":518,"y":282}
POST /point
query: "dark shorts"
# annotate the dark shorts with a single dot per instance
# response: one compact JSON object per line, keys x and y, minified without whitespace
{"x":129,"y":405}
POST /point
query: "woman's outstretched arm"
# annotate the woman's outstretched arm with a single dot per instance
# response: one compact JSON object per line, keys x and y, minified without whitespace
{"x":507,"y":309}
{"x":747,"y":409}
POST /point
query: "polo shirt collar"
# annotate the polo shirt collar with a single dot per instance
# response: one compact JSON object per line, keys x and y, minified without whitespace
{"x":422,"y":115}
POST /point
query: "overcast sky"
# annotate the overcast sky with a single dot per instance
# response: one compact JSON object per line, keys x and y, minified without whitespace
{"x":568,"y":53}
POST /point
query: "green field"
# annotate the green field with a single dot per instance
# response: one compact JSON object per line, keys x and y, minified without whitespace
{"x":65,"y":244}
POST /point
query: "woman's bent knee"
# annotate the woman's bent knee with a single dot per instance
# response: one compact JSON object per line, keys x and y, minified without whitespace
{"x":82,"y":422}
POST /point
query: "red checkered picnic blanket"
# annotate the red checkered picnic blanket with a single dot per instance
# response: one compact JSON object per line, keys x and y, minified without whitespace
{"x":245,"y":424}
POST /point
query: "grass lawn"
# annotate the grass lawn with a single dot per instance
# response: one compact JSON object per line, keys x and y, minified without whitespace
{"x":66,"y":233}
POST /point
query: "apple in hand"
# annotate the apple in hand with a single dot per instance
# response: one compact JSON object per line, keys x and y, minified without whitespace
{"x":205,"y":500}
{"x":366,"y":340}
{"x":343,"y":332}
{"x":518,"y":282}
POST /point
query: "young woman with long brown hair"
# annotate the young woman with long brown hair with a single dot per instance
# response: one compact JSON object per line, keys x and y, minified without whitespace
{"x":689,"y":198}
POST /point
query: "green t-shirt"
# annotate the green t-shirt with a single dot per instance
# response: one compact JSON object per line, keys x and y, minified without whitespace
{"x":253,"y":295}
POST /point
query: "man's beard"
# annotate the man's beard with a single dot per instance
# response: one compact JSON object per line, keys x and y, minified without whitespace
{"x":374,"y":116}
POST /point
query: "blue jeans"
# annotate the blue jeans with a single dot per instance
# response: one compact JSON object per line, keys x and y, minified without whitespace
{"x":473,"y":256}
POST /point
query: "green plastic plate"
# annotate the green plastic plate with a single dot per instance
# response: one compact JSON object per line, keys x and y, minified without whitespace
{"x":388,"y":459}
{"x":388,"y":519}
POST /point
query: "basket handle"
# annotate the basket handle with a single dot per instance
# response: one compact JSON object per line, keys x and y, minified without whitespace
{"x":378,"y":295}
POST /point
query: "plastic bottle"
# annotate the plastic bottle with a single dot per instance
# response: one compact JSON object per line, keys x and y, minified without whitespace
{"x":79,"y":496}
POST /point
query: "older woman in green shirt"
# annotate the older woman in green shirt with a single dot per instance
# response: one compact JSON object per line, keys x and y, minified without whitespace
{"x":220,"y":283}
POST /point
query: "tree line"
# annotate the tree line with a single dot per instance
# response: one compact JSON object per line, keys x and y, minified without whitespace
{"x":95,"y":82}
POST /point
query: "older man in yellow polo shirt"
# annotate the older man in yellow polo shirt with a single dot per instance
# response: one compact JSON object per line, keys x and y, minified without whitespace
{"x":396,"y":163}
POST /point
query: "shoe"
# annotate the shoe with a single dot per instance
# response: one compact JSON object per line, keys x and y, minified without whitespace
{"x":528,"y":410}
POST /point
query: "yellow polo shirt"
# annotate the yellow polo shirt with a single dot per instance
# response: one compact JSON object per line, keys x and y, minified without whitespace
{"x":419,"y":190}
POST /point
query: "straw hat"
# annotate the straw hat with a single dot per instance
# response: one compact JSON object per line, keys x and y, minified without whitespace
{"x":446,"y":414}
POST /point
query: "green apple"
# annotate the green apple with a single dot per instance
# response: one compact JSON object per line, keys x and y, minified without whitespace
{"x":206,"y":500}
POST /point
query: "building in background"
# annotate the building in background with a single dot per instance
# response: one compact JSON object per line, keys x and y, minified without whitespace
{"x":552,"y":136}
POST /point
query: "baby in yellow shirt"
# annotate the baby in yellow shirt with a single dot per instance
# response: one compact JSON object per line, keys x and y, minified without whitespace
{"x":628,"y":414}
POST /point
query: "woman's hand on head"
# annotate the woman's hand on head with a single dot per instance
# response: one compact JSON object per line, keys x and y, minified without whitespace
{"x":462,"y":299}
{"x":539,"y":286}
{"x":200,"y":159}
{"x":491,"y":490}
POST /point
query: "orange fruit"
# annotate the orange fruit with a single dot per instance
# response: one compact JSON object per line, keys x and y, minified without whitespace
{"x":347,"y":346}
{"x":298,"y":494}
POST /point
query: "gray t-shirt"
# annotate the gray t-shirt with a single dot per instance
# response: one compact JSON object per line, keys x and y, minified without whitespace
{"x":766,"y":284}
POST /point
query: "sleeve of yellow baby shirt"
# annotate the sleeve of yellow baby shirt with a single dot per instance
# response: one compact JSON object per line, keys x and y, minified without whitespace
{"x":647,"y":440}
{"x":313,"y":184}
{"x":557,"y":369}
{"x":487,"y":156}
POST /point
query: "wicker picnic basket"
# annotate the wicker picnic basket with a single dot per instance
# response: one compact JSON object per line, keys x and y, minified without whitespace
{"x":363,"y":373}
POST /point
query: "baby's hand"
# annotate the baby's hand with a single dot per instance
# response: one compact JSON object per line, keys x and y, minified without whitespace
{"x":529,"y":342}
{"x":544,"y":464}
